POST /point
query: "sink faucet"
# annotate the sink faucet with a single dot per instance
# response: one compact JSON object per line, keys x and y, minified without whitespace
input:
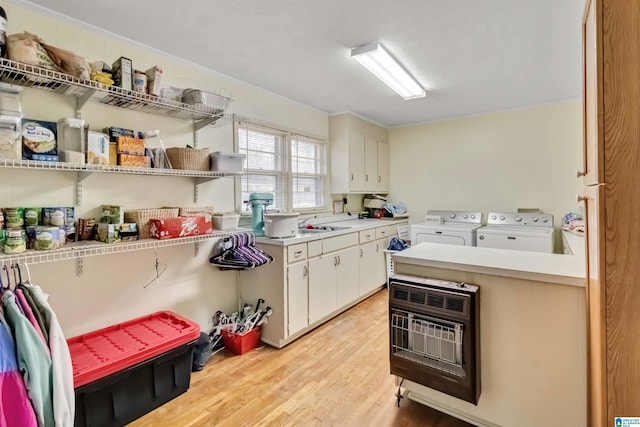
{"x":304,"y":221}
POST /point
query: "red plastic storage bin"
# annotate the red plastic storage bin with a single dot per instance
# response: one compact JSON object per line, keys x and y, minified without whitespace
{"x":100,"y":353}
{"x":240,"y":344}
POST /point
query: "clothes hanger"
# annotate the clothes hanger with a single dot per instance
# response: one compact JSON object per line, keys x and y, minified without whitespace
{"x":26,"y":266}
{"x":6,"y":270}
{"x":16,"y":267}
{"x":160,"y":269}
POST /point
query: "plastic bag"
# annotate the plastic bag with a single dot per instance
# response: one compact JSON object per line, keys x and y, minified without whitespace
{"x":69,"y":62}
{"x":202,"y":352}
{"x":26,"y":48}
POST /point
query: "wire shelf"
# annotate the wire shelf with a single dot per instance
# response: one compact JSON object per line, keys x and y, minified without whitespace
{"x":41,"y":78}
{"x":428,"y":342}
{"x":83,"y":249}
{"x":89,"y":168}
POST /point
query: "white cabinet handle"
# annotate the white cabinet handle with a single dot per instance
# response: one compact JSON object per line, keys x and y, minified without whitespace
{"x":580,"y":173}
{"x":379,"y":178}
{"x":305,"y":271}
{"x":368,"y":236}
{"x":580,"y":199}
{"x":377,"y":247}
{"x":335,"y":261}
{"x":351,"y":177}
{"x":366,"y":178}
{"x":338,"y":260}
{"x":297,"y":254}
{"x":383,"y":233}
{"x":361,"y":253}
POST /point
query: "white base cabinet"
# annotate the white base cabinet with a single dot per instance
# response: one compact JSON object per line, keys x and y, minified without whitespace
{"x":309,"y":283}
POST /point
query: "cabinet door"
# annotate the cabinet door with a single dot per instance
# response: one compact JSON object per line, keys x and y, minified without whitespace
{"x":368,"y":268}
{"x":593,"y":94}
{"x":370,"y":164}
{"x":383,"y":167}
{"x":356,"y":162}
{"x":297,"y":297}
{"x":348,"y":276}
{"x":381,"y":263}
{"x":596,"y":306}
{"x":322,"y":286}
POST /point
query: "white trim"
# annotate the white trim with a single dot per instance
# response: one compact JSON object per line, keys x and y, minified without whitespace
{"x":486,"y":113}
{"x":360,"y":116}
{"x":450,"y":411}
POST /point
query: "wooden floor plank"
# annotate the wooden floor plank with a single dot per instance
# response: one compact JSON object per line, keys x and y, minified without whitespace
{"x":337,"y":375}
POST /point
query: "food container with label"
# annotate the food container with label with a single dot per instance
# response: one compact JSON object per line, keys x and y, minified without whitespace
{"x":32,"y":216}
{"x":3,"y":238}
{"x":47,"y":238}
{"x":1,"y":219}
{"x":10,"y":137}
{"x":16,"y":241}
{"x":30,"y":233}
{"x":72,"y":139}
{"x":139,"y":81}
{"x":14,"y":217}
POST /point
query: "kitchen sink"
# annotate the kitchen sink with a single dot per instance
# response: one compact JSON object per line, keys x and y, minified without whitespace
{"x":321,"y":229}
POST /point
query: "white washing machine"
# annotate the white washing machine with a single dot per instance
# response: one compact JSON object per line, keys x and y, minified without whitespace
{"x":517,"y":231}
{"x":450,"y":227}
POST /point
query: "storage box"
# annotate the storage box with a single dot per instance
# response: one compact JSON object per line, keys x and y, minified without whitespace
{"x":196,"y":159}
{"x":154,"y":80}
{"x":142,"y":217}
{"x":10,"y":136}
{"x":97,"y":148}
{"x":108,"y":233}
{"x":122,"y":71}
{"x":209,"y":99}
{"x":71,"y":135}
{"x":134,"y":161}
{"x":227,"y":162}
{"x":172,"y":228}
{"x":225,"y":221}
{"x":111,"y":214}
{"x":113,"y":153}
{"x":124,"y":371}
{"x":115,"y":132}
{"x":129,"y":232}
{"x":128,"y":145}
{"x":240,"y":344}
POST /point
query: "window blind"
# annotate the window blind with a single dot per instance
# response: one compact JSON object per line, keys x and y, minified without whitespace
{"x":307,"y":172}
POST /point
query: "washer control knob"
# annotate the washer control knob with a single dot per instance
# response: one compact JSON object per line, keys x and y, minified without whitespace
{"x":502,"y":218}
{"x":473,"y":217}
{"x":518,"y":219}
{"x":452,"y":216}
{"x":545,"y":219}
{"x":493,"y":217}
{"x":481,"y":237}
{"x":466,"y":216}
{"x":535,"y":219}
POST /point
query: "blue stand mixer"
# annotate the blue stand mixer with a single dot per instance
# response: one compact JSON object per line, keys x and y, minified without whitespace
{"x":259,"y":203}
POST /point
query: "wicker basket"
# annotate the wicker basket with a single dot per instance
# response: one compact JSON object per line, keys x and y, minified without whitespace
{"x":196,"y":159}
{"x":205,"y":211}
{"x":142,"y":217}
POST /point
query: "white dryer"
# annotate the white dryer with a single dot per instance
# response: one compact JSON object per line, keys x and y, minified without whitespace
{"x":518,"y":231}
{"x":450,"y":227}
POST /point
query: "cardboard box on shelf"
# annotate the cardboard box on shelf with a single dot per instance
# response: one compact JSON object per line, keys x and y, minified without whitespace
{"x":108,"y":233}
{"x":97,"y":148}
{"x":112,"y":214}
{"x":171,"y":228}
{"x":115,"y":132}
{"x":132,"y":160}
{"x":39,"y":140}
{"x":154,"y":80}
{"x":123,"y":73}
{"x":128,"y":145}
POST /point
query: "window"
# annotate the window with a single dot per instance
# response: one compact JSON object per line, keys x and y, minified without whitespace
{"x":292,"y":167}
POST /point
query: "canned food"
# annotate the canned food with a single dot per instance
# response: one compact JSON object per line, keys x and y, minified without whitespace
{"x":1,"y":219}
{"x":14,"y":217}
{"x":47,"y":238}
{"x":3,"y":238}
{"x":30,"y":232}
{"x":32,"y":216}
{"x":16,"y":241}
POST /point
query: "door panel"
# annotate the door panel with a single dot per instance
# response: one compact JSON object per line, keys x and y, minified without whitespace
{"x":322,"y":286}
{"x":383,"y":167}
{"x":356,"y":162}
{"x":368,"y":256}
{"x":298,"y":297}
{"x":348,"y":276}
{"x":370,"y":164}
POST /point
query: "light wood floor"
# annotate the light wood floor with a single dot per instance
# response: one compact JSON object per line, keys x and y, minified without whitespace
{"x":337,"y":375}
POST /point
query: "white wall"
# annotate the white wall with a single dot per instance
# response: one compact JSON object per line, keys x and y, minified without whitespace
{"x":111,"y":288}
{"x":496,"y":162}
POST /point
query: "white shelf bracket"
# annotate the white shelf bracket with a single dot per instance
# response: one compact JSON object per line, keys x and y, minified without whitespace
{"x":206,"y":122}
{"x":79,"y":266}
{"x":80,"y":176}
{"x":82,"y":100}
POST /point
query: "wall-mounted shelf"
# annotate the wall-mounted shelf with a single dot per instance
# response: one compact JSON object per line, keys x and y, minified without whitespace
{"x":88,"y":90}
{"x":78,"y":250}
{"x":85,"y":170}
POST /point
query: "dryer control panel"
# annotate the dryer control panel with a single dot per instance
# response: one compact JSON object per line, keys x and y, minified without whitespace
{"x":520,"y":219}
{"x":464,"y":217}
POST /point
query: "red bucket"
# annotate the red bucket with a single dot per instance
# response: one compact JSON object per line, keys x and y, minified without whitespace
{"x":240,"y":344}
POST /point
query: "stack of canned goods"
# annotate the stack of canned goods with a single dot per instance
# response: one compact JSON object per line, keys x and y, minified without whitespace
{"x":35,"y":228}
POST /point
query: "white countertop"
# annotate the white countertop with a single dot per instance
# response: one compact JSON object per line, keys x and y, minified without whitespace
{"x":542,"y":267}
{"x":354,"y":225}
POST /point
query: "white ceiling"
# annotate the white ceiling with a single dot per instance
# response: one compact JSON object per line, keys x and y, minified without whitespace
{"x":473,"y":56}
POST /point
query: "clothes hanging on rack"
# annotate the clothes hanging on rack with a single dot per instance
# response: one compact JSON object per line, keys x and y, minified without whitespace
{"x":238,"y":252}
{"x":38,"y":311}
{"x":15,"y":406}
{"x":28,"y":312}
{"x":63,"y":391}
{"x":33,"y":359}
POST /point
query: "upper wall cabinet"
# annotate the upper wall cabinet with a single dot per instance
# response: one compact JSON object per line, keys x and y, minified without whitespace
{"x":359,"y":156}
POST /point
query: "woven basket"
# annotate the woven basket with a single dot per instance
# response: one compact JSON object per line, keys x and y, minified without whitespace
{"x":195,"y":159}
{"x":142,"y":217}
{"x":205,"y":211}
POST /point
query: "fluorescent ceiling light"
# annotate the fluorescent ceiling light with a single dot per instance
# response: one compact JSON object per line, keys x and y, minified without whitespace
{"x":377,"y":60}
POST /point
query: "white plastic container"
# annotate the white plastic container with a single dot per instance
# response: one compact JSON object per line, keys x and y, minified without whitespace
{"x":72,"y":140}
{"x":277,"y":225}
{"x":227,"y":162}
{"x":225,"y":220}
